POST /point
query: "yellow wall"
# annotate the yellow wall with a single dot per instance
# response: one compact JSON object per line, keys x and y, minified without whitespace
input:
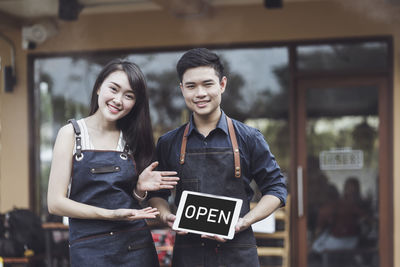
{"x":226,"y":25}
{"x":14,"y":183}
{"x":396,"y":148}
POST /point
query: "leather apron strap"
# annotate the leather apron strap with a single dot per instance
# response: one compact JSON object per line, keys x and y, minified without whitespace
{"x":78,"y":144}
{"x":235,"y":146}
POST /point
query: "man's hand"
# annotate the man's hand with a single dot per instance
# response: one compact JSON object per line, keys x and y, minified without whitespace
{"x":169,"y":219}
{"x":241,"y":225}
{"x":214,"y":237}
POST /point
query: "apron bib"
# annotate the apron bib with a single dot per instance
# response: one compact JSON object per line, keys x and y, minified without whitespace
{"x":106,"y":179}
{"x":214,"y":171}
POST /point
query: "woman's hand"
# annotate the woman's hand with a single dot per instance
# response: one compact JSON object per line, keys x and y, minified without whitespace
{"x":133,"y":214}
{"x":150,"y":180}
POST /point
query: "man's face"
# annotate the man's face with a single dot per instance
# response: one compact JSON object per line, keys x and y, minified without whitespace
{"x":202,"y":90}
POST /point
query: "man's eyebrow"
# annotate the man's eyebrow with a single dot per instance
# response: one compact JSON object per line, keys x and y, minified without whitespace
{"x":207,"y":81}
{"x":189,"y":83}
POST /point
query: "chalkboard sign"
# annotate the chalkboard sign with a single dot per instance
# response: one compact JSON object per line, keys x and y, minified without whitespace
{"x":207,"y":214}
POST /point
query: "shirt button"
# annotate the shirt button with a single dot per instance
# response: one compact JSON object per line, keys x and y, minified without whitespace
{"x":202,"y":244}
{"x":111,"y":233}
{"x":205,"y":143}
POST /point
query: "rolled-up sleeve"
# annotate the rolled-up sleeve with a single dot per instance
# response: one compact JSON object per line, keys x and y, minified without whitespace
{"x":264,"y":168}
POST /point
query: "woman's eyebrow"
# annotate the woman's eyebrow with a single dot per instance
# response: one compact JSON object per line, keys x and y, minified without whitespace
{"x":116,"y":84}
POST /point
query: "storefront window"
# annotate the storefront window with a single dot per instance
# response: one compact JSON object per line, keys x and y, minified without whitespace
{"x":257,"y":93}
{"x":363,"y":56}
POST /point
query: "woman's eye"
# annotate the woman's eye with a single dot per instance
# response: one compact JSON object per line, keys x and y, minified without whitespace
{"x":113,"y":89}
{"x":130,"y":97}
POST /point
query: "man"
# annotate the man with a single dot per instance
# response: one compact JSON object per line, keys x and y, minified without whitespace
{"x":216,"y":155}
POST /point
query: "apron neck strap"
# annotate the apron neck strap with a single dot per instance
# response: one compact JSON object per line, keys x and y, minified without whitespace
{"x":232,"y":136}
{"x":78,"y":144}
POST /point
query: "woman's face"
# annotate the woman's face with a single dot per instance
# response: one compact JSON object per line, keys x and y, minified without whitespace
{"x":116,"y":97}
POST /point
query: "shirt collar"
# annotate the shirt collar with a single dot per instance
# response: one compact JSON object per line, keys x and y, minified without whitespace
{"x":222,"y":124}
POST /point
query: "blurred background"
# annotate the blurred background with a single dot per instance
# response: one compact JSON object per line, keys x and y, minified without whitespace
{"x":319,"y":78}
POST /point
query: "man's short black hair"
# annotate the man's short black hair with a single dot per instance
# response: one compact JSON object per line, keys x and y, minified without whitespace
{"x":199,"y":57}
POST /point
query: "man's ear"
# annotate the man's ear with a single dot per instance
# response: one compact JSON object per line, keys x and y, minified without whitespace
{"x":223,"y":83}
{"x":181,"y":86}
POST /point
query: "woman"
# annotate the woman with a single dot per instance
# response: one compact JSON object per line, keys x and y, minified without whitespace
{"x":94,"y":178}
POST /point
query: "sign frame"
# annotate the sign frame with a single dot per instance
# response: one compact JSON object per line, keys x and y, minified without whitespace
{"x":177,"y":226}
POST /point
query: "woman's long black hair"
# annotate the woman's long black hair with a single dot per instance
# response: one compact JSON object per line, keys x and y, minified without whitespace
{"x":136,"y":125}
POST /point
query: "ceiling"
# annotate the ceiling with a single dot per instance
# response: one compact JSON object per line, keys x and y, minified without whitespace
{"x":33,"y":9}
{"x":21,"y":12}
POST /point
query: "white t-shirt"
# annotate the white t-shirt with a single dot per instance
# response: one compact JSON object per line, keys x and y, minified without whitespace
{"x":87,"y":144}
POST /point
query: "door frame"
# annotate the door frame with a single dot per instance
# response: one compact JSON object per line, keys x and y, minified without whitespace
{"x":299,"y":230}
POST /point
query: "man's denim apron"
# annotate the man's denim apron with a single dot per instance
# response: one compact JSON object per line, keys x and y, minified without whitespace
{"x":214,"y":171}
{"x":106,"y":179}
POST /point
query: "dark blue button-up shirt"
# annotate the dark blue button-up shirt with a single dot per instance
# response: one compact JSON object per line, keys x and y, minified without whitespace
{"x":256,"y":159}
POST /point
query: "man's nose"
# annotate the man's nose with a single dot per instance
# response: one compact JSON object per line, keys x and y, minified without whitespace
{"x":201,"y":91}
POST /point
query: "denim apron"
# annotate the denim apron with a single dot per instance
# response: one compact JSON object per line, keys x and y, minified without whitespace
{"x":106,"y":179}
{"x":214,"y":171}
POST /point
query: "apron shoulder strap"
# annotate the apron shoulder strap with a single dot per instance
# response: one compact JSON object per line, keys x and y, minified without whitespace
{"x":77,"y":130}
{"x":235,"y":147}
{"x":183,"y":146}
{"x":78,"y":143}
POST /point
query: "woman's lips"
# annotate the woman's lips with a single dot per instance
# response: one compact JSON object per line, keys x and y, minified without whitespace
{"x":113,"y":109}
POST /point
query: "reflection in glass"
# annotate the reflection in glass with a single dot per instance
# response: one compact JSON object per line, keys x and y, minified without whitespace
{"x":257,"y":93}
{"x":372,"y":56}
{"x":342,"y":177}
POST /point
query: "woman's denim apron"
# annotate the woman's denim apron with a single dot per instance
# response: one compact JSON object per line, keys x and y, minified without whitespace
{"x":106,"y":179}
{"x":214,"y":171}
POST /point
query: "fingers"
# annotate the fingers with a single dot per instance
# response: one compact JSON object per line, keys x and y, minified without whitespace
{"x":214,"y":237}
{"x":220,"y":239}
{"x":168,"y":173}
{"x":166,"y":187}
{"x":148,"y":209}
{"x":168,"y":182}
{"x":170,"y":179}
{"x":146,"y":213}
{"x":152,"y":166}
{"x":181,"y":233}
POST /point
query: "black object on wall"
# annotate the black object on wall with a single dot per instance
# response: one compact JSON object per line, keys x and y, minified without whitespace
{"x":69,"y":9}
{"x":273,"y":3}
{"x":9,"y":79}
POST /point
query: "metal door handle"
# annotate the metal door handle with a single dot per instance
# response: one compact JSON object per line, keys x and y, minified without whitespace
{"x":300,"y":207}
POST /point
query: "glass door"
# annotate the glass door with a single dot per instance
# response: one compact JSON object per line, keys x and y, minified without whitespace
{"x":339,"y":174}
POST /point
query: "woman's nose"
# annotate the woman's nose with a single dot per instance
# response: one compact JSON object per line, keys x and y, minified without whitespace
{"x":118,"y":98}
